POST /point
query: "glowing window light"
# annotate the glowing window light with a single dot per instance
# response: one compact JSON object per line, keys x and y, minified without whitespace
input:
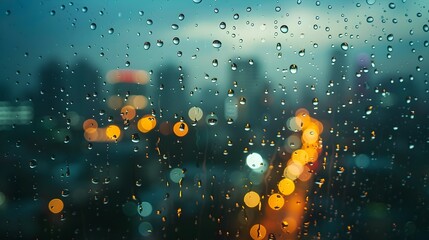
{"x":127,"y":76}
{"x":294,"y":124}
{"x":195,"y":113}
{"x":258,"y":232}
{"x":252,"y":199}
{"x":144,"y":209}
{"x":113,"y":132}
{"x":180,"y":129}
{"x":303,"y":115}
{"x":276,"y":201}
{"x":176,"y":174}
{"x":254,"y":160}
{"x":286,"y":186}
{"x":145,"y":229}
{"x":56,"y":205}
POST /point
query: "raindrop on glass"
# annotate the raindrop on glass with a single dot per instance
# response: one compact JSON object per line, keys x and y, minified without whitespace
{"x":284,"y":29}
{"x":33,"y":163}
{"x":93,"y":26}
{"x":217,"y":44}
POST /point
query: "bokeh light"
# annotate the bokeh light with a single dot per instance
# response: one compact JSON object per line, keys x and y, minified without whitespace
{"x":286,"y":186}
{"x":276,"y":201}
{"x":56,"y":205}
{"x":252,"y":199}
{"x":258,"y":232}
{"x":180,"y":129}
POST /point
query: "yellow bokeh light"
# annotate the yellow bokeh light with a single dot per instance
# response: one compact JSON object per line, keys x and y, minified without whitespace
{"x":128,"y":112}
{"x":252,"y":199}
{"x":276,"y":201}
{"x":293,"y":170}
{"x":56,"y":205}
{"x":286,"y":186}
{"x":310,"y":135}
{"x":300,"y":156}
{"x":146,"y":123}
{"x":113,"y":132}
{"x":180,"y":129}
{"x":258,"y":232}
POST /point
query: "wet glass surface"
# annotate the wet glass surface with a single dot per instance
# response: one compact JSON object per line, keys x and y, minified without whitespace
{"x":204,"y":119}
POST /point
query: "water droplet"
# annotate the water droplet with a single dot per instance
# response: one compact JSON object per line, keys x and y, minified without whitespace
{"x":301,"y":53}
{"x":278,"y":9}
{"x":197,"y":1}
{"x":315,"y":101}
{"x":222,"y":25}
{"x":135,"y":138}
{"x":293,"y":68}
{"x":370,"y":2}
{"x":279,"y":46}
{"x":66,"y":139}
{"x":392,"y":5}
{"x":146,"y":45}
{"x":236,"y":16}
{"x":52,"y":12}
{"x":230,"y":92}
{"x":212,"y":119}
{"x":149,"y":22}
{"x":111,"y":30}
{"x":65,"y":192}
{"x":33,"y":163}
{"x":85,"y":9}
{"x":176,"y":40}
{"x":369,"y":19}
{"x":242,"y":100}
{"x":159,"y":43}
{"x":368,"y":110}
{"x":344,"y":46}
{"x":217,"y":44}
{"x":215,"y":63}
{"x":181,"y":17}
{"x":127,"y":63}
{"x":390,"y":37}
{"x":7,"y":12}
{"x":174,"y":26}
{"x":93,"y":26}
{"x":284,"y":29}
{"x":141,"y":13}
{"x":426,"y":28}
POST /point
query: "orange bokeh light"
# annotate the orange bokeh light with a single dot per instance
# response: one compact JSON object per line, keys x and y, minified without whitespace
{"x":56,"y":205}
{"x":180,"y":129}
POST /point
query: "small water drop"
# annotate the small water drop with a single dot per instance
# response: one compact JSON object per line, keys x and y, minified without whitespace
{"x":217,"y":44}
{"x":284,"y":29}
{"x":93,"y":26}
